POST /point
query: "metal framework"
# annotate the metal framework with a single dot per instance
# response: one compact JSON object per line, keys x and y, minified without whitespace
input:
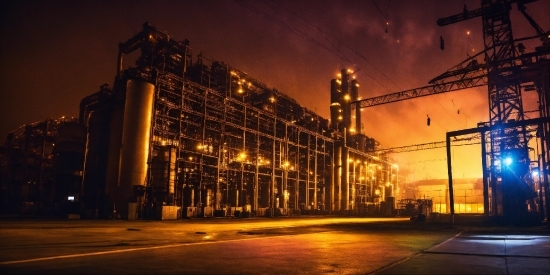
{"x":222,"y":141}
{"x":493,"y":197}
{"x":479,"y":79}
{"x":508,"y":71}
{"x":424,"y":146}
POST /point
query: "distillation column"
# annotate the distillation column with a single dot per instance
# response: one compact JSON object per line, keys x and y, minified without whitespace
{"x":128,"y":160}
{"x":335,"y":106}
{"x":355,"y":97}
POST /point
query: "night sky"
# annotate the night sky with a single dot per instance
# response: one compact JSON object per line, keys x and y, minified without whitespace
{"x":54,"y":53}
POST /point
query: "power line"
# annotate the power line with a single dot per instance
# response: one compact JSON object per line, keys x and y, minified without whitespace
{"x":328,"y":35}
{"x":291,"y":29}
{"x":336,"y":52}
{"x":316,"y":42}
{"x":320,"y":30}
{"x":386,"y":21}
{"x":355,"y":51}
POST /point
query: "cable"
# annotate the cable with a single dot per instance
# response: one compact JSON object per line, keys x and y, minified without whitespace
{"x":315,"y":42}
{"x":327,"y":36}
{"x":320,"y":30}
{"x":395,"y":84}
{"x":386,"y":22}
{"x":291,"y":29}
{"x":319,"y":44}
{"x":462,"y":112}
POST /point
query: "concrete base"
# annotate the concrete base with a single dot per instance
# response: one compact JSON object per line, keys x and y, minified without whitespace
{"x":208,"y":212}
{"x":190,"y":212}
{"x":169,"y":213}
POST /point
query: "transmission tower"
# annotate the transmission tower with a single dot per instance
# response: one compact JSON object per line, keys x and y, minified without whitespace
{"x":507,"y":71}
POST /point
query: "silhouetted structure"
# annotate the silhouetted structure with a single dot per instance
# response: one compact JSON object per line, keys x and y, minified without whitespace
{"x":212,"y":140}
{"x":42,"y":168}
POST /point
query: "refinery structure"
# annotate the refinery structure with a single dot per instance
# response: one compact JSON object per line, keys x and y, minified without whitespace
{"x":207,"y":138}
{"x":179,"y":135}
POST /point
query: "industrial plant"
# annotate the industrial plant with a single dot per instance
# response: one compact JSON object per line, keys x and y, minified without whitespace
{"x":191,"y":137}
{"x":179,"y":135}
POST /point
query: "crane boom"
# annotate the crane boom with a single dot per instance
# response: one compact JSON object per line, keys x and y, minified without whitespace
{"x":459,"y":17}
{"x":475,"y":81}
{"x":500,"y":6}
{"x":471,"y":75}
{"x":544,"y":36}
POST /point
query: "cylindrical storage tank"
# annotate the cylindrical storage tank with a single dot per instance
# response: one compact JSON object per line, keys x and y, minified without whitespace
{"x":95,"y":161}
{"x":335,"y":95}
{"x":355,"y":97}
{"x":136,"y":132}
{"x":335,"y":107}
{"x":114,"y":148}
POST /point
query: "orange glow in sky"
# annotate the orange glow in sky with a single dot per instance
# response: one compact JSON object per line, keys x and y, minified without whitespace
{"x":59,"y":52}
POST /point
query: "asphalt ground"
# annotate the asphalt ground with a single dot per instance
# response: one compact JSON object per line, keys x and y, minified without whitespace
{"x":504,"y":250}
{"x":269,"y":246}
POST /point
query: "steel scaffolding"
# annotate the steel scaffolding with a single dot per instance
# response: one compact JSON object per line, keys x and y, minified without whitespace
{"x":223,"y":143}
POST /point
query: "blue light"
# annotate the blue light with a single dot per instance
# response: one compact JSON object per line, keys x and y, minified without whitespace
{"x":507,"y":161}
{"x":535,"y":173}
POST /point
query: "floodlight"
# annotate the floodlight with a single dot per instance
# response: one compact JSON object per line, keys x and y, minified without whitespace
{"x":508,"y":161}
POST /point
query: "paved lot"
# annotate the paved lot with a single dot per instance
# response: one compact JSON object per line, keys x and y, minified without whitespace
{"x":483,"y":251}
{"x":269,"y":246}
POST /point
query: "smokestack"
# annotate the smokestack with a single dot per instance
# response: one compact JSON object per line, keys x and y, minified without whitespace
{"x":355,"y":97}
{"x":346,"y":99}
{"x":335,"y":106}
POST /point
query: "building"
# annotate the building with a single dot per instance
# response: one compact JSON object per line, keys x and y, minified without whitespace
{"x":176,"y":137}
{"x":42,"y":168}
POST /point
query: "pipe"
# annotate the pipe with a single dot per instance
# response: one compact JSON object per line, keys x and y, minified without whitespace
{"x":346,"y":100}
{"x":450,"y":173}
{"x":345,"y":175}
